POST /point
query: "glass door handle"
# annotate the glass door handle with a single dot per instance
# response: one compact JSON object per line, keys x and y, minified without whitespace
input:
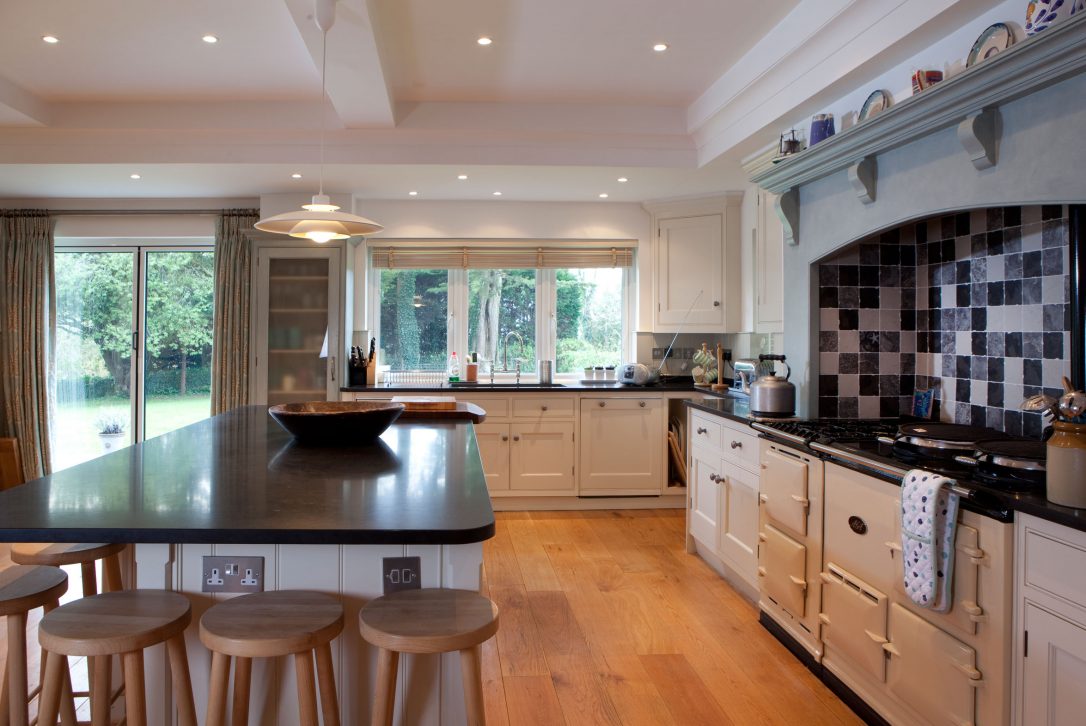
{"x":135,"y":339}
{"x":333,"y":363}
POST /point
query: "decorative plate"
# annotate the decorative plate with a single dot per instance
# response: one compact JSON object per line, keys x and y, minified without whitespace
{"x":1042,"y":14}
{"x":875,"y":104}
{"x":996,"y":37}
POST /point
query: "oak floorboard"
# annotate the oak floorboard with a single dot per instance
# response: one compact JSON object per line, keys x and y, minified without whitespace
{"x":687,"y":697}
{"x":500,"y":559}
{"x":535,"y":566}
{"x":520,"y":646}
{"x":533,"y":700}
{"x":582,"y":692}
{"x":634,"y":694}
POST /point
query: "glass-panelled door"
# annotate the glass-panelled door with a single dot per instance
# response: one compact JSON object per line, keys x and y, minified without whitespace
{"x":134,"y":329}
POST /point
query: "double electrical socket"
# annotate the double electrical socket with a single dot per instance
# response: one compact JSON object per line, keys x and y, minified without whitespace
{"x":233,"y":574}
{"x":401,"y":573}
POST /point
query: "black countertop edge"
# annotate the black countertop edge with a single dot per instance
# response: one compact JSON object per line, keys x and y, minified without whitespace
{"x":731,"y":407}
{"x":254,"y":536}
{"x":1041,"y":508}
{"x":684,"y":386}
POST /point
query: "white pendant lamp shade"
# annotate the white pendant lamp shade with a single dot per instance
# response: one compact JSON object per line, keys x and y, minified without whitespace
{"x":320,"y":222}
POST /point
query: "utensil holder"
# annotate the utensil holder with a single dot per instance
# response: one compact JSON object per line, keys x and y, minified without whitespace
{"x":1066,"y":462}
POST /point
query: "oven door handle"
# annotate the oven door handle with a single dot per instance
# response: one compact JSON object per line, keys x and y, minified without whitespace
{"x":975,"y":677}
{"x":976,"y":555}
{"x":798,"y":582}
{"x":975,"y":612}
{"x":802,"y":501}
{"x":889,"y":648}
{"x":893,"y":546}
{"x":876,"y":637}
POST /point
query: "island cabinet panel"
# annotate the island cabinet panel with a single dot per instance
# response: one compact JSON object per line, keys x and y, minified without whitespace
{"x":622,"y":446}
{"x":494,"y":444}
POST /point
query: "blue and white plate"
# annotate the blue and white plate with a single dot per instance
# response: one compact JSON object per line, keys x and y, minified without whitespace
{"x":996,"y":37}
{"x":875,"y":104}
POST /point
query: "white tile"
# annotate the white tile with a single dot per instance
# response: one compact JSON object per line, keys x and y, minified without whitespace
{"x":1031,"y":238}
{"x":928,"y":363}
{"x":1032,"y":318}
{"x":829,"y":318}
{"x":1012,"y":370}
{"x":889,"y":319}
{"x":978,"y":221}
{"x":849,"y":341}
{"x":869,"y":406}
{"x":869,"y":319}
{"x":908,"y":341}
{"x":978,"y":393}
{"x":963,"y":342}
{"x":1052,"y":372}
{"x":1031,"y":214}
{"x":995,"y":318}
{"x":848,"y":384}
{"x":949,"y":296}
{"x":963,"y":247}
{"x":827,"y":363}
{"x":1012,"y":395}
{"x":1012,"y":318}
{"x":889,"y":363}
{"x":995,"y":268}
{"x":1052,"y":288}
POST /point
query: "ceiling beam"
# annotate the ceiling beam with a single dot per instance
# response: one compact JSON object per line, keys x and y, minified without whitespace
{"x":20,"y":107}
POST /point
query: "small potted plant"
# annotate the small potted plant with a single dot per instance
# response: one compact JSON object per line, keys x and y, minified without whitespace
{"x":111,"y":432}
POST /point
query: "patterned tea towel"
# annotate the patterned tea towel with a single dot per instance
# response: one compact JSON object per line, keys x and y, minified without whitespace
{"x":929,"y":517}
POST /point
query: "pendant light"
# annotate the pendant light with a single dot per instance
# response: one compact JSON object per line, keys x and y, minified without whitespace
{"x":321,"y":221}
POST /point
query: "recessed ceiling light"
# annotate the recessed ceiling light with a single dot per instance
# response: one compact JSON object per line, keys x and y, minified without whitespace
{"x":134,"y":176}
{"x":484,"y":41}
{"x":604,"y":195}
{"x":622,"y":180}
{"x":413,"y":193}
{"x":660,"y":47}
{"x":462,"y":177}
{"x":51,"y":39}
{"x":497,"y":194}
{"x":295,"y":175}
{"x":210,"y":39}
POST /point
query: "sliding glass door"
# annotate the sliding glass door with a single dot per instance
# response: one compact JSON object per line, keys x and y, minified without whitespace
{"x":134,"y":329}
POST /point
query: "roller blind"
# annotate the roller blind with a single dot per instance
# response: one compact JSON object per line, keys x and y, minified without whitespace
{"x":594,"y":253}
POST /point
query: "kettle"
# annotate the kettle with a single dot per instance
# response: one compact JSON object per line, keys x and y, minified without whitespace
{"x":773,"y":395}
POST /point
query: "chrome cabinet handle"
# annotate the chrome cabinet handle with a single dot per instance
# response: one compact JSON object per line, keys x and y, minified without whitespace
{"x":700,"y":430}
{"x":641,"y":404}
{"x":737,"y":444}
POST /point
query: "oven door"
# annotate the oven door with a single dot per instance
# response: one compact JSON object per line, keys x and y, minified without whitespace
{"x":782,"y":570}
{"x":784,"y":490}
{"x":853,"y":620}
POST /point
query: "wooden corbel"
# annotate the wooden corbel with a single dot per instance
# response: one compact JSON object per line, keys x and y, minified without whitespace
{"x":979,"y":135}
{"x":787,"y":209}
{"x":864,"y":176}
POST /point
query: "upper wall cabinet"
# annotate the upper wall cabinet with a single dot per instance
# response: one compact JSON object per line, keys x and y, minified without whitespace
{"x":696,"y":272}
{"x":768,"y":266}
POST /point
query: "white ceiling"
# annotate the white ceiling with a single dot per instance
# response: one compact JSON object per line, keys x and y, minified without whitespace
{"x":569,"y":97}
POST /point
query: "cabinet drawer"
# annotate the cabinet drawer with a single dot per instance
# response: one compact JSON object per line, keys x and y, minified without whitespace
{"x":739,"y":447}
{"x":545,"y":408}
{"x":1056,"y":566}
{"x":495,"y":406}
{"x":704,"y":430}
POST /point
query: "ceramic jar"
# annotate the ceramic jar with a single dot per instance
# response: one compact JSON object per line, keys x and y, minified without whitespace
{"x":1043,"y":14}
{"x":1066,"y":465}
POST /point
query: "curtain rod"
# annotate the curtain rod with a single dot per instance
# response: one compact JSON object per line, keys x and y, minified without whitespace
{"x":130,"y":212}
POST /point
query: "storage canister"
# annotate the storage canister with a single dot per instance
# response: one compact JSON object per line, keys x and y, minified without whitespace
{"x":1066,"y":465}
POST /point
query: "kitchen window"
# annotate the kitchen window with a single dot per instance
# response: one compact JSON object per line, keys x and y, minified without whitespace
{"x":567,"y":302}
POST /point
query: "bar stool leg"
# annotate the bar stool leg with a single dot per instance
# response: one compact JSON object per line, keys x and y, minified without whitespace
{"x":307,"y":688}
{"x":243,"y":676}
{"x":135,"y":701}
{"x":182,"y":683}
{"x":101,"y":691}
{"x":111,"y":573}
{"x":220,"y":683}
{"x":471,"y":673}
{"x":16,"y":669}
{"x":385,"y":695}
{"x":89,"y":577}
{"x":326,"y":680}
{"x":5,"y":716}
{"x":49,"y":705}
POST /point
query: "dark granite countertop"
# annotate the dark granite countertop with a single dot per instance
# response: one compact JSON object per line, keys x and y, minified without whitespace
{"x":676,"y":383}
{"x":737,"y":408}
{"x":240,"y":478}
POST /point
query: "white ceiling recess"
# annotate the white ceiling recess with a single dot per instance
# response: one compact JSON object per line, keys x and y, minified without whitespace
{"x":567,"y":98}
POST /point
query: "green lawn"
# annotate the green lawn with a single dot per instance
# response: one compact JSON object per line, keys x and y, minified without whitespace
{"x":76,"y":435}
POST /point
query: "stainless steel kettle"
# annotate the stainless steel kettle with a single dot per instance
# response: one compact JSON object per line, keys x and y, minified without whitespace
{"x":773,"y":395}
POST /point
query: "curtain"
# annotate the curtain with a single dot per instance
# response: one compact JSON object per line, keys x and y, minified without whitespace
{"x":233,"y":280}
{"x":27,"y":335}
{"x":469,"y":255}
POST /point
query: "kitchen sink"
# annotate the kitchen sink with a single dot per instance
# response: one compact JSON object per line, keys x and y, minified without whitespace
{"x":468,"y":384}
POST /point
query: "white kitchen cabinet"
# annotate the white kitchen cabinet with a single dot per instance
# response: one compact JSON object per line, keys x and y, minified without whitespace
{"x":541,"y":457}
{"x":1050,"y":617}
{"x":703,"y":521}
{"x":768,"y":235}
{"x":493,"y":439}
{"x":622,"y":446}
{"x":297,"y":313}
{"x":697,"y":251}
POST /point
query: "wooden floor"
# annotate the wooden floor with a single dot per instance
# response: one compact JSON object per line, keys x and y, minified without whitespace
{"x":605,"y":619}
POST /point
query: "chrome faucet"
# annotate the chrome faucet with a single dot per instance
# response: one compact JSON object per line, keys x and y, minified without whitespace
{"x":505,"y":356}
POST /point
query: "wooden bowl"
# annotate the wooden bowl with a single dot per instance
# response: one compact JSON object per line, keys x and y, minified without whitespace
{"x":336,"y":422}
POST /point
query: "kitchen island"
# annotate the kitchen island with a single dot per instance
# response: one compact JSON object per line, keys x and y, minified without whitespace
{"x":322,"y":519}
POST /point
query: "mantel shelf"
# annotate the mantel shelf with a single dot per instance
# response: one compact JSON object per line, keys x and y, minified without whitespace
{"x":1026,"y":67}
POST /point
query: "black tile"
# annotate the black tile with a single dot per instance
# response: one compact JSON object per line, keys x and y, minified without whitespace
{"x":1031,"y":291}
{"x":1012,"y":422}
{"x":1055,"y":318}
{"x":948,"y":367}
{"x":933,"y":252}
{"x":908,"y":319}
{"x":978,"y":270}
{"x":961,"y":224}
{"x":827,"y":406}
{"x":947,"y":342}
{"x":889,"y":252}
{"x":890,"y":385}
{"x":869,"y":254}
{"x":946,"y":227}
{"x":963,"y":271}
{"x":848,"y":319}
{"x":848,"y":297}
{"x":948,"y":250}
{"x":1054,"y":392}
{"x":996,"y":345}
{"x":994,"y":218}
{"x":961,"y":366}
{"x":1012,"y":216}
{"x":1012,"y":292}
{"x":995,"y":394}
{"x":995,"y":242}
{"x":827,"y":297}
{"x":1052,"y":261}
{"x":869,"y":341}
{"x":980,"y":319}
{"x":1031,"y":372}
{"x":849,"y":275}
{"x":889,"y":276}
{"x":869,"y":363}
{"x":964,"y":295}
{"x":869,"y":385}
{"x":869,"y":297}
{"x":1051,"y":211}
{"x":908,"y":276}
{"x":828,"y":275}
{"x":827,"y":385}
{"x":961,"y":389}
{"x":1031,"y":264}
{"x":848,"y":363}
{"x":1028,"y":391}
{"x":908,"y":364}
{"x":1053,"y":346}
{"x":1012,"y":266}
{"x":976,"y":415}
{"x":995,"y":293}
{"x":908,"y":255}
{"x":889,"y":406}
{"x":935,"y":298}
{"x":923,"y":342}
{"x":978,"y":245}
{"x":827,"y":341}
{"x":1032,"y":425}
{"x":869,"y":276}
{"x":1012,"y":240}
{"x":908,"y":384}
{"x":995,"y":371}
{"x":889,"y":342}
{"x":935,"y":320}
{"x":978,"y":367}
{"x":963,"y":321}
{"x":848,"y":407}
{"x":1053,"y":234}
{"x":1032,"y":345}
{"x":1012,"y":345}
{"x":921,"y":232}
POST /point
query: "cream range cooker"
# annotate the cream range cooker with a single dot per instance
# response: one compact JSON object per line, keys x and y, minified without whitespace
{"x":830,"y":579}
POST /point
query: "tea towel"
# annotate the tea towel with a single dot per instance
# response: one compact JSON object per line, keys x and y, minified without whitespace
{"x":929,"y":517}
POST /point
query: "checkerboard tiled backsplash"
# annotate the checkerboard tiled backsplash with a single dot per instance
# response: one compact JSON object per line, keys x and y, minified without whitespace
{"x":975,"y":305}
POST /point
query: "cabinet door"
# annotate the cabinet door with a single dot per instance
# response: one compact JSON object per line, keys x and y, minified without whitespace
{"x":768,"y":267}
{"x":541,"y":457}
{"x":622,"y":446}
{"x":493,"y":441}
{"x":784,"y":490}
{"x":739,"y":522}
{"x":1054,"y":670}
{"x":704,"y":491}
{"x":853,"y":620}
{"x":298,"y":306}
{"x":691,"y":260}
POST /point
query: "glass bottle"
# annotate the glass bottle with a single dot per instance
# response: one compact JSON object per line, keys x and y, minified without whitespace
{"x":454,"y":368}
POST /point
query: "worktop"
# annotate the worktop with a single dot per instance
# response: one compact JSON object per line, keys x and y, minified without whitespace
{"x":668,"y":385}
{"x":240,"y":478}
{"x":734,"y":407}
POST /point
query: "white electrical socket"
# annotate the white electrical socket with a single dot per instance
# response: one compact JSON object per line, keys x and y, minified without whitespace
{"x":233,"y":573}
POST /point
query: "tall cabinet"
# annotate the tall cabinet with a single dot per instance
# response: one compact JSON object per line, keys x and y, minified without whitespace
{"x":297,"y":323}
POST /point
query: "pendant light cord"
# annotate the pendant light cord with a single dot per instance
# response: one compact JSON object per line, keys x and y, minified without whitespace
{"x":324,"y":92}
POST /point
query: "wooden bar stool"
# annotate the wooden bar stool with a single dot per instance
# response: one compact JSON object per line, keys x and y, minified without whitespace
{"x":23,"y":589}
{"x":71,"y":553}
{"x":429,"y":621}
{"x":122,"y":624}
{"x":269,"y":625}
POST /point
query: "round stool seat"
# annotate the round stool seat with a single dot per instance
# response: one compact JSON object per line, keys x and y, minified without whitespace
{"x":268,"y":624}
{"x":115,"y":622}
{"x":61,"y":553}
{"x":25,"y":588}
{"x":429,"y":620}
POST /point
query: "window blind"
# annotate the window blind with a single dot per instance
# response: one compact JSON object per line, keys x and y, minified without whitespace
{"x":617,"y":253}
